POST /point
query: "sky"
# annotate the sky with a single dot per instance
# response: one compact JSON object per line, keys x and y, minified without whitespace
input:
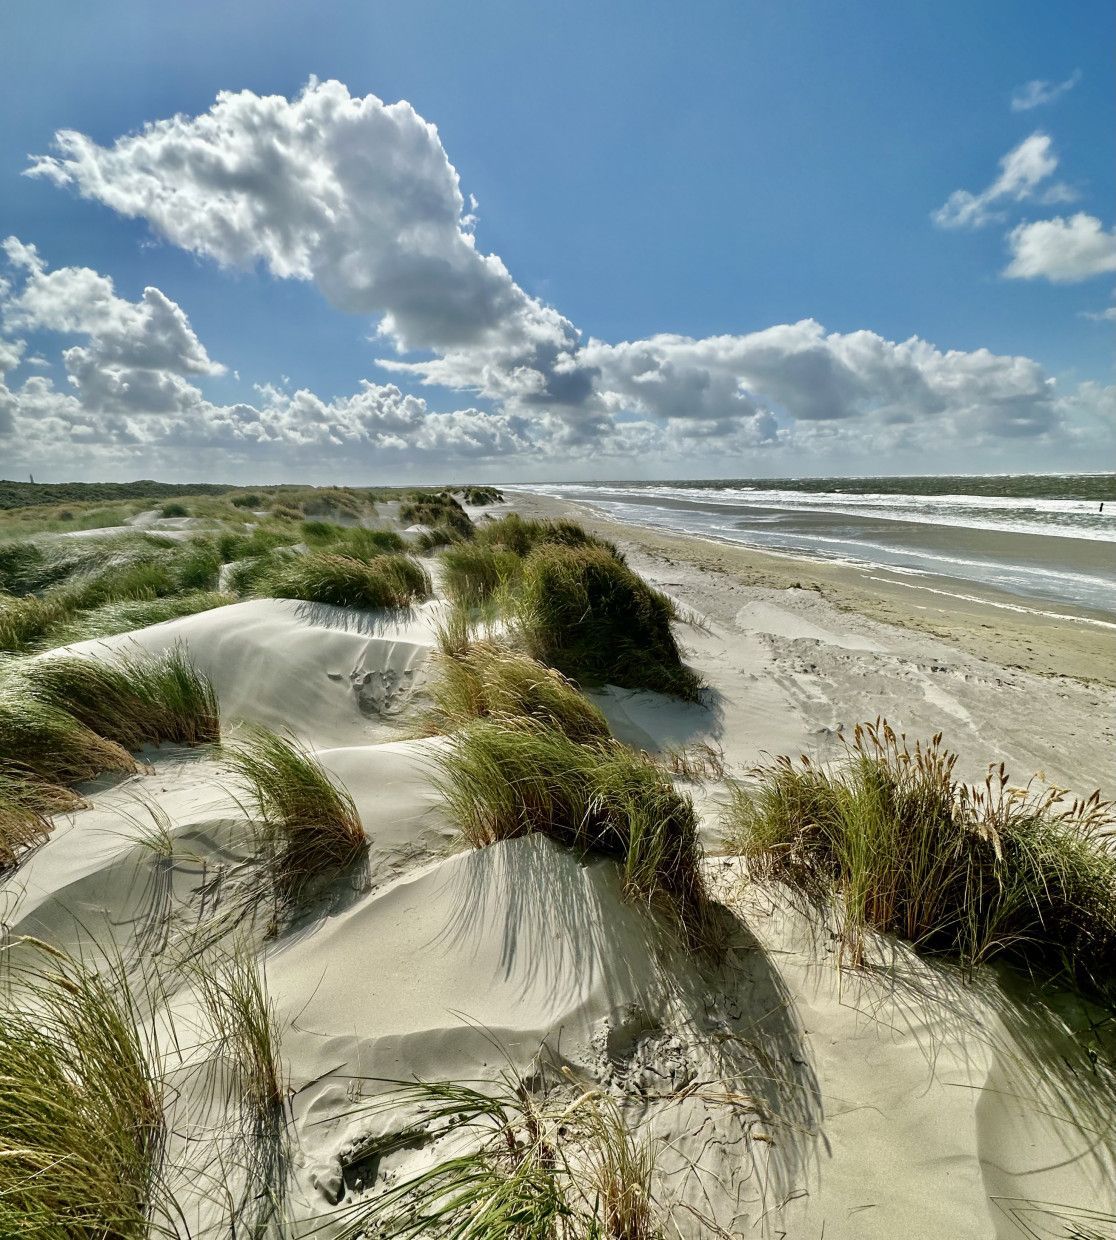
{"x":369,"y":242}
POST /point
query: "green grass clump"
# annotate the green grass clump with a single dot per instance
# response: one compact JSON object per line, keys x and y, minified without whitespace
{"x":82,"y":1128}
{"x":245,"y":1028}
{"x":392,"y":581}
{"x":355,"y":541}
{"x":49,"y":745}
{"x":539,"y":1161}
{"x":174,"y":509}
{"x":894,"y":843}
{"x":285,"y":512}
{"x":511,"y":777}
{"x":234,"y":545}
{"x":486,"y":680}
{"x":249,"y":500}
{"x":436,"y":509}
{"x":478,"y":496}
{"x":134,"y":700}
{"x":127,"y":616}
{"x":23,"y":823}
{"x":309,"y":826}
{"x":474,"y":574}
{"x":523,"y":534}
{"x":584,"y":612}
{"x":438,"y":536}
{"x":24,"y":621}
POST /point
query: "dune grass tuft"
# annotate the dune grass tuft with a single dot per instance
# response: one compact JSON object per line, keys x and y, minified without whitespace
{"x":309,"y":826}
{"x":540,"y":1162}
{"x":245,"y":1028}
{"x":896,"y":844}
{"x":358,"y":542}
{"x":132,"y":699}
{"x":479,"y":496}
{"x":436,"y":509}
{"x":82,"y":1129}
{"x":487,"y":680}
{"x":391,"y":581}
{"x":584,"y":612}
{"x":23,"y":821}
{"x":475,"y":574}
{"x":49,"y":745}
{"x":127,"y":616}
{"x":523,"y":534}
{"x":512,"y":777}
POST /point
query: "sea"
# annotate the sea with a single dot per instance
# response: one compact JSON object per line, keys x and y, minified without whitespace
{"x":1039,"y":539}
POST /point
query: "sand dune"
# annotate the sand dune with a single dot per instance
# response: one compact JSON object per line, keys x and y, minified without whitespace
{"x":790,"y":1099}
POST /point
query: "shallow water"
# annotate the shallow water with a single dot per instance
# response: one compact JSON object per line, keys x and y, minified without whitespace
{"x":1056,"y":547}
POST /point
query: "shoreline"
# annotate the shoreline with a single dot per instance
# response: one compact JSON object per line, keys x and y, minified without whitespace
{"x":983,"y":621}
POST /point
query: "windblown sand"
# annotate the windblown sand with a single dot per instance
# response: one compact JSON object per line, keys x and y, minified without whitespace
{"x":790,"y":1098}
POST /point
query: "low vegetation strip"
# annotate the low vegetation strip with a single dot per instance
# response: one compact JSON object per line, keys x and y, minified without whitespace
{"x":509,"y":777}
{"x":894,"y":843}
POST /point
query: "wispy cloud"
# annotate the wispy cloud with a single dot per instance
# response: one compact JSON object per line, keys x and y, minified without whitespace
{"x":1022,"y":170}
{"x":1038,"y":93}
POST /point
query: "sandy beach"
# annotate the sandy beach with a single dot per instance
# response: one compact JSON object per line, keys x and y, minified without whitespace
{"x":786,"y":1097}
{"x":842,"y":644}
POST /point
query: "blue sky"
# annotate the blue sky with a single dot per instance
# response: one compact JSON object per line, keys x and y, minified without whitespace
{"x":680,"y":180}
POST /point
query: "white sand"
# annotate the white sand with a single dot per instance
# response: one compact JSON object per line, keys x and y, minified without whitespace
{"x":899,"y":1102}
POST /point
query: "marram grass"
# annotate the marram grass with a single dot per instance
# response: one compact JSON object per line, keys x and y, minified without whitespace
{"x":82,"y":1128}
{"x":51,"y":746}
{"x":309,"y":826}
{"x":894,"y":843}
{"x":385,"y":581}
{"x":23,"y":823}
{"x":474,"y":573}
{"x":125,"y":617}
{"x":512,"y":777}
{"x":245,"y":1029}
{"x":523,"y":534}
{"x":525,"y":1161}
{"x":487,"y":680}
{"x":586,"y":613}
{"x":436,"y":510}
{"x":132,"y":699}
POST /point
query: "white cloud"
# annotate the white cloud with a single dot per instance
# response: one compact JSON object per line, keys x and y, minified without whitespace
{"x":1061,"y":250}
{"x":352,"y":193}
{"x":1037,"y":93}
{"x":361,"y":198}
{"x":11,"y":352}
{"x":809,"y":376}
{"x":1022,"y":170}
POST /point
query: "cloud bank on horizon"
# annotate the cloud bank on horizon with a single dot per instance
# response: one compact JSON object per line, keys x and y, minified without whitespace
{"x":360,"y":199}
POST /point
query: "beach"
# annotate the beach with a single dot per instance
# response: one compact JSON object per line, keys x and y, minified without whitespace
{"x":784,"y":1092}
{"x":850,"y":643}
